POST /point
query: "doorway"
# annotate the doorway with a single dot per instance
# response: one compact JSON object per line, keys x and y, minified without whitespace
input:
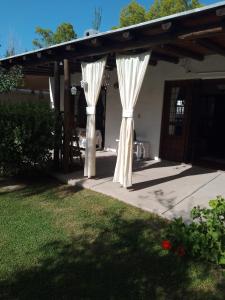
{"x":175,"y":120}
{"x":209,"y":145}
{"x":193,"y":122}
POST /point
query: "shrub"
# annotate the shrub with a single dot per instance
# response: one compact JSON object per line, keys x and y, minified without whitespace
{"x":10,"y":79}
{"x":204,"y":237}
{"x":26,"y":136}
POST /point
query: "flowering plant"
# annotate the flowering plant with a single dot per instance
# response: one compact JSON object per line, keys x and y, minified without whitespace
{"x":167,"y":245}
{"x":204,"y":237}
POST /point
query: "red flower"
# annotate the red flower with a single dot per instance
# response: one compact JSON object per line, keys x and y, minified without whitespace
{"x":180,"y":251}
{"x":166,"y":245}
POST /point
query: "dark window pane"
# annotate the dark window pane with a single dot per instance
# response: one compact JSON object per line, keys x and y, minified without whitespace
{"x":177,"y":108}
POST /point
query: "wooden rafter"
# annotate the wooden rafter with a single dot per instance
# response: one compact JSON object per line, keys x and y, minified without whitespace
{"x":168,"y":58}
{"x":70,"y":48}
{"x":128,"y":40}
{"x":212,"y":46}
{"x":183,"y":52}
{"x":96,"y":42}
{"x":202,"y":33}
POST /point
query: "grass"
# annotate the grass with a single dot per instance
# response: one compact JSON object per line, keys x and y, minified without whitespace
{"x":58,"y":242}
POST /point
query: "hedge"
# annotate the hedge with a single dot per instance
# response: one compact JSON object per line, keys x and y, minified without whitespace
{"x":26,"y":137}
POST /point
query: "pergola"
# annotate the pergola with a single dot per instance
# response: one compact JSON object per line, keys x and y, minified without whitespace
{"x":192,"y":34}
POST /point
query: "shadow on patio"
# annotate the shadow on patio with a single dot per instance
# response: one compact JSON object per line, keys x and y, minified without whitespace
{"x":158,"y":186}
{"x":106,"y":161}
{"x":192,"y":171}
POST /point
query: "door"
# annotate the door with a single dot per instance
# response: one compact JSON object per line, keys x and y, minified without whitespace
{"x":209,"y":125}
{"x":176,"y":120}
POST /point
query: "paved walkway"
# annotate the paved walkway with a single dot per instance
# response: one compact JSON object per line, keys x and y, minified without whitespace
{"x":166,"y":188}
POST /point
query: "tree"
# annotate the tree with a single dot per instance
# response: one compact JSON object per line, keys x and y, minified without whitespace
{"x":131,"y":14}
{"x":13,"y":77}
{"x":135,"y":13}
{"x":64,"y":32}
{"x":161,"y":8}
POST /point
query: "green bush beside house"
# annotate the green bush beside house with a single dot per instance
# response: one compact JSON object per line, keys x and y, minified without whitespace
{"x":27,"y":137}
{"x":204,"y":237}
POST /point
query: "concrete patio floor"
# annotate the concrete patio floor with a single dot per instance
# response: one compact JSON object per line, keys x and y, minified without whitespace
{"x":166,"y":188}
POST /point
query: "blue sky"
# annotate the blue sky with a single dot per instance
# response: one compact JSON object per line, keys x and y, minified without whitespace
{"x":20,"y":17}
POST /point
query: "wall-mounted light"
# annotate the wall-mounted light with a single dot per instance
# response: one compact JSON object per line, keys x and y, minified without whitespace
{"x":73,"y":90}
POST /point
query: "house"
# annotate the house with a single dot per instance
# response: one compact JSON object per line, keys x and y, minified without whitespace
{"x":181,"y":104}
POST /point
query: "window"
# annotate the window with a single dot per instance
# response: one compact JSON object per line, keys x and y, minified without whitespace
{"x":177,"y":108}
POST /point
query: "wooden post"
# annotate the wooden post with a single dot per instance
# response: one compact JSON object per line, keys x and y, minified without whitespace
{"x":67,"y":96}
{"x":57,"y":112}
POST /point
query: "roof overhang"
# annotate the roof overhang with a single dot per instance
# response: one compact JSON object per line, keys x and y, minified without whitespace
{"x":192,"y":34}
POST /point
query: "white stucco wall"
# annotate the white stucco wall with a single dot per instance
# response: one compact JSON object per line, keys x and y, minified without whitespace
{"x":148,"y":111}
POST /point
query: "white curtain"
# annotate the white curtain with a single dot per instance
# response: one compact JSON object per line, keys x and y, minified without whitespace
{"x":92,"y":75}
{"x":51,"y":93}
{"x":131,"y":71}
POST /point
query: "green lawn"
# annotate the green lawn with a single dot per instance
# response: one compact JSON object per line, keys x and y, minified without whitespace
{"x":58,"y":242}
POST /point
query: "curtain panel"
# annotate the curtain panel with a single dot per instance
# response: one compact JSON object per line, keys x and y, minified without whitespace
{"x":131,"y":70}
{"x":51,"y":93}
{"x":92,"y":75}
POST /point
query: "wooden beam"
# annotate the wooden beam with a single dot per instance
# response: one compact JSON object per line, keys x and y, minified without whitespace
{"x":212,"y":46}
{"x":67,"y":95}
{"x":48,"y":55}
{"x":127,"y":36}
{"x":122,"y":36}
{"x":146,"y":41}
{"x":110,"y":46}
{"x":32,"y":60}
{"x":141,"y":42}
{"x":57,"y":112}
{"x":95,"y":42}
{"x":164,"y":57}
{"x":166,"y":26}
{"x":26,"y":59}
{"x":70,"y":48}
{"x":220,"y":12}
{"x":176,"y":50}
{"x":202,"y":33}
{"x":111,"y":62}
